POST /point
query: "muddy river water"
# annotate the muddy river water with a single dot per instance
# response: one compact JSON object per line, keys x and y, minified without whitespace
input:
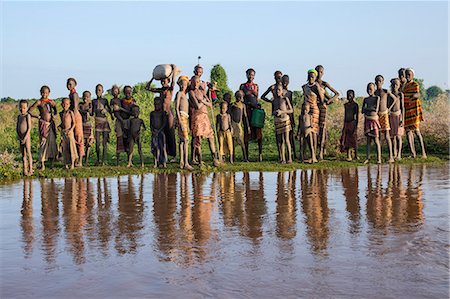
{"x":371,"y":232}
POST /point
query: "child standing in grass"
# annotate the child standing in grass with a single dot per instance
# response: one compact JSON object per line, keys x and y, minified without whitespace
{"x":68,"y":144}
{"x":224,"y":132}
{"x":239,"y":121}
{"x":372,"y":125}
{"x":158,"y":122}
{"x":23,"y":129}
{"x":135,"y":135}
{"x":349,"y":138}
{"x":48,"y":149}
{"x":281,"y":110}
{"x":85,"y":108}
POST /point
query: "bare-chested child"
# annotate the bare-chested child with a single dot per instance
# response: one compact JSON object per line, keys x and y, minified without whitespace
{"x":116,"y":104}
{"x":166,"y":93}
{"x":182,"y":113}
{"x":158,"y":121}
{"x":85,"y":108}
{"x":23,"y":129}
{"x":278,"y":75}
{"x":289,"y":95}
{"x":135,"y":135}
{"x":224,"y":132}
{"x":100,"y":107}
{"x":67,"y":126}
{"x":305,"y":133}
{"x":323,"y":106}
{"x":48,"y":149}
{"x":239,"y":120}
{"x":281,"y":109}
{"x":396,"y":118}
{"x":349,"y":140}
{"x":372,"y":126}
{"x":383,"y":112}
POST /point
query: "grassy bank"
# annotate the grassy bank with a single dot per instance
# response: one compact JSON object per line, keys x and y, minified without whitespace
{"x":435,"y":130}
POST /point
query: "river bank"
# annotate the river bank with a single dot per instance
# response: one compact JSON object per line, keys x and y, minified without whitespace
{"x":13,"y":174}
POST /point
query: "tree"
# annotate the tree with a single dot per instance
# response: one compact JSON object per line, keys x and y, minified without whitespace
{"x":433,"y":91}
{"x":423,"y":92}
{"x":219,"y":75}
{"x":7,"y":100}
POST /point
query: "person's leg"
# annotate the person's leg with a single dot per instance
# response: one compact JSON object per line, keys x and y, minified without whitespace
{"x":377,"y":143}
{"x":97,"y":146}
{"x":87,"y":151}
{"x":221,"y":150}
{"x":387,"y":136}
{"x":181,"y":150}
{"x":141,"y":157}
{"x":422,"y":145}
{"x":130,"y":152}
{"x":29,"y":156}
{"x":105,"y":141}
{"x":230,"y":146}
{"x":412,"y":147}
{"x":288,"y":146}
{"x":400,"y":144}
{"x":369,"y":139}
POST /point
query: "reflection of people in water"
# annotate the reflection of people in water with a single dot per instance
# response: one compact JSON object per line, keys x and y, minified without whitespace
{"x":397,"y":207}
{"x":315,"y":208}
{"x":286,"y":208}
{"x":350,"y":186}
{"x":255,"y":207}
{"x":130,"y":216}
{"x":26,"y":223}
{"x":201,"y":215}
{"x":186,"y":235}
{"x":226,"y":194}
{"x":49,"y":219}
{"x":104,"y":215}
{"x":164,"y":208}
{"x":73,"y":224}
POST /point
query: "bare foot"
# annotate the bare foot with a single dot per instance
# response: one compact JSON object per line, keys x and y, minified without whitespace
{"x":391,"y":160}
{"x":260,"y":158}
{"x":366,"y":161}
{"x":349,"y":159}
{"x":189,"y":167}
{"x":289,"y":161}
{"x":130,"y":164}
{"x":142,"y":165}
{"x":379,"y":162}
{"x":424,"y":156}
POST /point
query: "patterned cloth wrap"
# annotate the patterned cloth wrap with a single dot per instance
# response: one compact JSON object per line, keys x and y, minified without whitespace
{"x":413,"y":107}
{"x":371,"y":126}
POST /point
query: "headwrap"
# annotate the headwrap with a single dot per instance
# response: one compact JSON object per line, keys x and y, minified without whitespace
{"x":183,"y":78}
{"x":312,"y":71}
{"x":411,"y":70}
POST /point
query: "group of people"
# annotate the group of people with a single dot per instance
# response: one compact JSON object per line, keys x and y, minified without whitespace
{"x":85,"y":122}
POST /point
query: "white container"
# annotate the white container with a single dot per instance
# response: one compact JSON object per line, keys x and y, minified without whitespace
{"x":162,"y":71}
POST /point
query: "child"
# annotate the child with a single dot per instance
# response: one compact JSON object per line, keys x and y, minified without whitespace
{"x":349,"y":138}
{"x":281,"y":109}
{"x":116,"y":103}
{"x":305,"y":132}
{"x":224,"y":131}
{"x":251,"y":91}
{"x":78,"y":130}
{"x":23,"y":129}
{"x":47,"y":130}
{"x":68,"y":144}
{"x":372,"y":126}
{"x":289,"y":95}
{"x":100,"y":107}
{"x":396,"y":118}
{"x":85,"y":109}
{"x":135,"y":135}
{"x":383,"y":112}
{"x":158,"y":122}
{"x":227,"y":99}
{"x":200,"y":123}
{"x":182,"y":112}
{"x":239,"y":120}
{"x":165,"y":93}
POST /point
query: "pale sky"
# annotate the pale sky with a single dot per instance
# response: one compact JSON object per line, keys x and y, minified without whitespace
{"x":121,"y":42}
